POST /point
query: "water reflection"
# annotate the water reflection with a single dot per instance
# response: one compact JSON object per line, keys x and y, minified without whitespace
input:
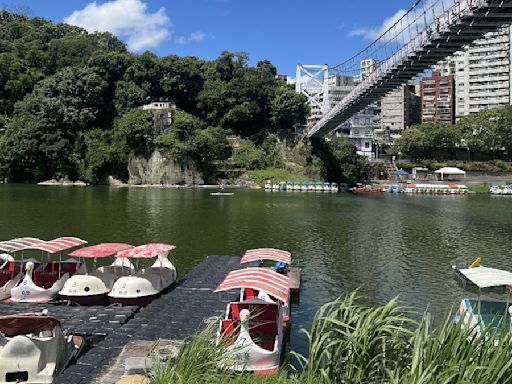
{"x":386,"y":245}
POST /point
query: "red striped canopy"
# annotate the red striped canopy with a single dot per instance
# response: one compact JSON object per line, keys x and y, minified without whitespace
{"x":19,"y":244}
{"x":267,"y":254}
{"x":261,"y":279}
{"x":101,"y":250}
{"x":57,"y":245}
{"x":147,"y":251}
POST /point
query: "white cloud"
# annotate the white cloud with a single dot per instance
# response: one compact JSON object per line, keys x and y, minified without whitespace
{"x":128,"y":19}
{"x":374,"y":33}
{"x":194,"y":37}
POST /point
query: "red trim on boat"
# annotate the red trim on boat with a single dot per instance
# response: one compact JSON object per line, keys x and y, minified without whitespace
{"x":58,"y":245}
{"x":19,"y":244}
{"x":147,"y":251}
{"x":261,"y":279}
{"x":267,"y":254}
{"x":101,"y":250}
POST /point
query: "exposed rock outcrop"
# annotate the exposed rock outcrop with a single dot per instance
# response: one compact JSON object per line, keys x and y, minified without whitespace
{"x":162,"y":170}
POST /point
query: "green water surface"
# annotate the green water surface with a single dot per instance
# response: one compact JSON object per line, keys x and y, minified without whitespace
{"x":385,"y":244}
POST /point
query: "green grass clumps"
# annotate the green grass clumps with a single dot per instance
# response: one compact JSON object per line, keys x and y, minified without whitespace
{"x":351,"y":343}
{"x":479,"y":188}
{"x":275,"y":174}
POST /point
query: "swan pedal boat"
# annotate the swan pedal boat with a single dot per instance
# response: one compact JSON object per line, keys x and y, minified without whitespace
{"x":147,"y":284}
{"x":11,"y":273}
{"x":93,"y":288}
{"x":42,"y":283}
{"x":34,"y":349}
{"x":254,"y":327}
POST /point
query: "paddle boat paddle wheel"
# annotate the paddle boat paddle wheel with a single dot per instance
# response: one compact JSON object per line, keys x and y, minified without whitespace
{"x":42,"y":284}
{"x":93,"y":288}
{"x":254,"y":328}
{"x":33,"y":348}
{"x":147,"y":284}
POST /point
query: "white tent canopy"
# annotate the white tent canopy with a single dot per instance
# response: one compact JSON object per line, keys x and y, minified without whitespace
{"x":447,"y":171}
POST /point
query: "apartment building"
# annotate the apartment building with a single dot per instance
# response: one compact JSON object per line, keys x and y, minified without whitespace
{"x":398,"y":110}
{"x":482,"y":73}
{"x":437,"y":99}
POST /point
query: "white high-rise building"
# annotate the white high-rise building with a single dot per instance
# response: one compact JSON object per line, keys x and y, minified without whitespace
{"x":482,"y":73}
{"x":366,"y":68}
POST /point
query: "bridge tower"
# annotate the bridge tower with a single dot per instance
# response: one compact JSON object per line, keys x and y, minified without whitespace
{"x":313,"y":82}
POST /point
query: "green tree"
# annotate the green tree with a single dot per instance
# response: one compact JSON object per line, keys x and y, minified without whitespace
{"x":288,"y":108}
{"x":134,"y":133}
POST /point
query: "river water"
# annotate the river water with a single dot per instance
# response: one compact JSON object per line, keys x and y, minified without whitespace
{"x":384,"y":244}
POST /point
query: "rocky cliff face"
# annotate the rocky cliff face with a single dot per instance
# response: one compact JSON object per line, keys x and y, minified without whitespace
{"x":160,"y":169}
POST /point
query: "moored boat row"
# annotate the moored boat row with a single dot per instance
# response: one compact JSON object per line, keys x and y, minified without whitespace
{"x":118,"y":282}
{"x":501,"y":190}
{"x":301,"y":186}
{"x":437,"y":189}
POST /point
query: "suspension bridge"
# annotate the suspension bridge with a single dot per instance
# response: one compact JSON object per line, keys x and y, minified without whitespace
{"x":430,"y":31}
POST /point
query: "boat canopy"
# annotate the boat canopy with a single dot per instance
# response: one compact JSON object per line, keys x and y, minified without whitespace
{"x":19,"y":243}
{"x":261,"y":279}
{"x":484,"y":277}
{"x":25,"y":323}
{"x":266,"y":254}
{"x":58,"y":245}
{"x":147,"y":251}
{"x":101,"y":250}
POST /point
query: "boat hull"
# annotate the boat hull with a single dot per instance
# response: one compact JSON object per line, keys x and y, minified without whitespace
{"x":135,"y":301}
{"x":100,"y":299}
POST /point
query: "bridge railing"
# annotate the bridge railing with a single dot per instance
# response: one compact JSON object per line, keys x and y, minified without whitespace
{"x":414,"y":30}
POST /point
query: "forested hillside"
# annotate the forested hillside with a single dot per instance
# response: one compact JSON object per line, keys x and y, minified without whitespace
{"x":69,"y":102}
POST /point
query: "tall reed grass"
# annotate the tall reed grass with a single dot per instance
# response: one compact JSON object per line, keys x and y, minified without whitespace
{"x":350,"y":343}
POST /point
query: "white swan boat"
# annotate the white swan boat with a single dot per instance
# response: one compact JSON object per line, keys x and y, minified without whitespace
{"x":479,"y":314}
{"x":93,"y":288}
{"x":11,"y":270}
{"x":147,"y":284}
{"x":254,"y":327}
{"x":33,"y":348}
{"x":42,"y":284}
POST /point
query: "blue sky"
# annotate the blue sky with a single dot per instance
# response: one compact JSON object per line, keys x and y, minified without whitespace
{"x":286,"y":32}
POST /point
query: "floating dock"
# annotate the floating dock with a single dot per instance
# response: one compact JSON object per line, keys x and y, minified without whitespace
{"x":122,"y":332}
{"x":294,"y":276}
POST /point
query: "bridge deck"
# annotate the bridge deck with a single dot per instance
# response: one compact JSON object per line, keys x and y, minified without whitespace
{"x":417,"y":56}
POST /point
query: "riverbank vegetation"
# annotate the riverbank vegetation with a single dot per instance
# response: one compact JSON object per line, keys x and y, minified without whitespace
{"x":496,"y":166}
{"x":350,"y":342}
{"x":70,"y":107}
{"x":486,"y":135}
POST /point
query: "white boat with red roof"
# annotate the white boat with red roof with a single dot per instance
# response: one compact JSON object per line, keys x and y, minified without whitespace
{"x":93,"y":288}
{"x":145,"y":285}
{"x":43,"y":282}
{"x":254,"y":327}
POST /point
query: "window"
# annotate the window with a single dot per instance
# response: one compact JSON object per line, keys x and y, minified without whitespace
{"x":356,"y":132}
{"x":367,"y":145}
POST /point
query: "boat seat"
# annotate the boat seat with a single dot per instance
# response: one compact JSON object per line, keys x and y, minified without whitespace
{"x":229,"y":328}
{"x":46,"y":334}
{"x":45,"y":279}
{"x":153,"y":274}
{"x":250,"y":293}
